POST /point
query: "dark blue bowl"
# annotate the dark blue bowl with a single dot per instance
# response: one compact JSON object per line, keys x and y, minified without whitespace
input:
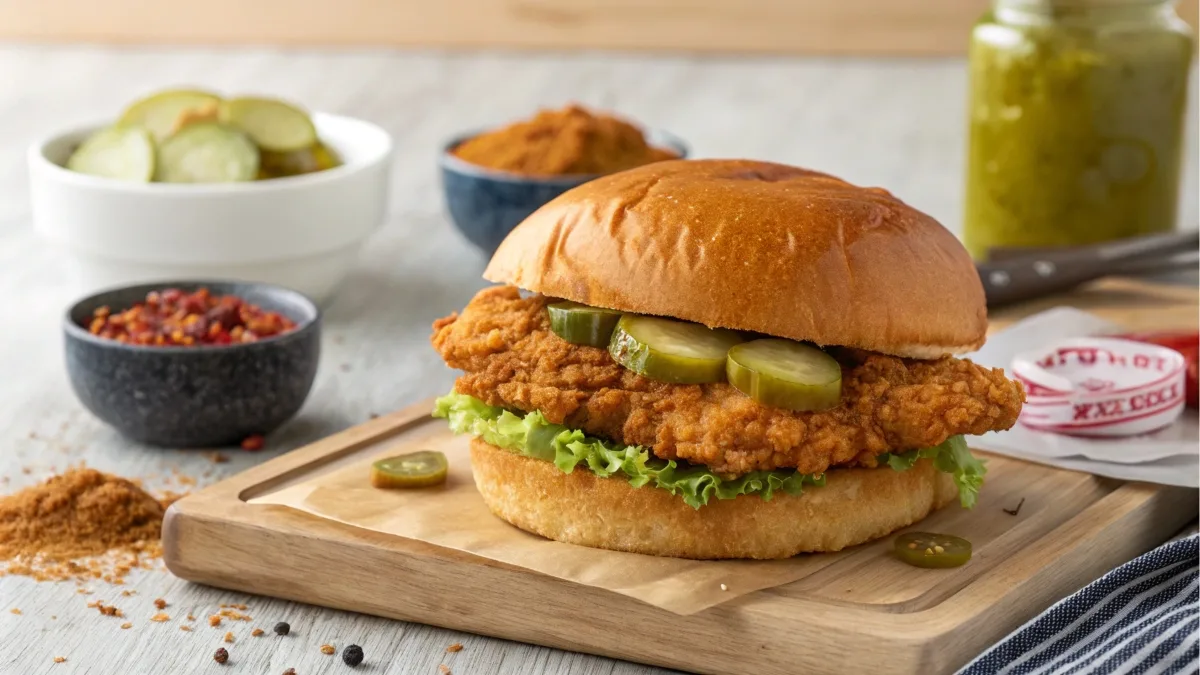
{"x":486,"y":204}
{"x":205,"y":396}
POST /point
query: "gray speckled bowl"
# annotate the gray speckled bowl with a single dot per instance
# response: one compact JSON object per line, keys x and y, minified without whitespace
{"x":207,"y":396}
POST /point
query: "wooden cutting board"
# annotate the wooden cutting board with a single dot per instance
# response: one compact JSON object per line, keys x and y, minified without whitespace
{"x":864,"y":612}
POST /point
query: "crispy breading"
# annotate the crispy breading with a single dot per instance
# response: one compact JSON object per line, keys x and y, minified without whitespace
{"x":510,"y":357}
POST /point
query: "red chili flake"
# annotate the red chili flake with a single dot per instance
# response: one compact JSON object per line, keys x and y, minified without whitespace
{"x":172,"y":318}
{"x":253,"y":443}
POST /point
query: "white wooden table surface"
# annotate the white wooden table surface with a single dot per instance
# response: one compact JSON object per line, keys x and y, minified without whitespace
{"x":896,"y":123}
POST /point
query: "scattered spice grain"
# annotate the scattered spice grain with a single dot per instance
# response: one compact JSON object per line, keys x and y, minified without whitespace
{"x":107,"y":610}
{"x":14,"y":610}
{"x":186,"y":629}
{"x":282,"y":628}
{"x":234,"y":615}
{"x":456,"y":647}
{"x":214,"y":620}
{"x":59,"y":659}
{"x":253,"y":443}
{"x":220,"y":656}
{"x":159,"y":603}
{"x":126,"y":626}
{"x":328,"y":650}
{"x":290,"y":671}
{"x":229,"y":637}
{"x":257,"y":632}
{"x":352,"y":656}
{"x":444,"y":669}
{"x":161,"y":617}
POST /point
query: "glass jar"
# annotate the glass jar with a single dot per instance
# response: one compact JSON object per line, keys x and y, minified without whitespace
{"x":1076,"y":121}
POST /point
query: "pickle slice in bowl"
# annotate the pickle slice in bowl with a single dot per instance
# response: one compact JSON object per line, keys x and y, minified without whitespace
{"x":297,"y":162}
{"x":121,"y":152}
{"x":284,"y":164}
{"x":583,"y":325}
{"x":159,"y":112}
{"x":785,"y":374}
{"x":274,"y":125}
{"x":207,"y":152}
{"x":671,"y":351}
{"x":425,"y":468}
{"x":325,"y":157}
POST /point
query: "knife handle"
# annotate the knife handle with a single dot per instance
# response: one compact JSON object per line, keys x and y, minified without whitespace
{"x":1012,"y":279}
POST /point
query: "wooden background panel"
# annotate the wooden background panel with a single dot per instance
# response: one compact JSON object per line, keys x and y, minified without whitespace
{"x":848,"y":27}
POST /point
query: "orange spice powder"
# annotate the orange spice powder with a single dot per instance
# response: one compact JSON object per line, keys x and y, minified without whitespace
{"x":47,"y":530}
{"x":569,"y":141}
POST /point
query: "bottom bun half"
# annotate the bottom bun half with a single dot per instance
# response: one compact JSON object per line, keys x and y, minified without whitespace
{"x":854,"y":506}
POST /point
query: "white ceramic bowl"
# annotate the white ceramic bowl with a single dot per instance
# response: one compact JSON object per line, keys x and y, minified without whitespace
{"x":302,"y":232}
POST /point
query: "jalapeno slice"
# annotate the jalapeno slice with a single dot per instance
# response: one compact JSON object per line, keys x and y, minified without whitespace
{"x":785,"y":374}
{"x":671,"y":351}
{"x":926,"y":549}
{"x":583,"y":325}
{"x":424,"y":468}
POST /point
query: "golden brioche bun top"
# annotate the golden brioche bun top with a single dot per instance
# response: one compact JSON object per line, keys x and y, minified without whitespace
{"x":754,"y":246}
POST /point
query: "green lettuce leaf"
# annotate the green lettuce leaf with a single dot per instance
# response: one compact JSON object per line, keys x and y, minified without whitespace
{"x":952,"y":457}
{"x":534,"y":436}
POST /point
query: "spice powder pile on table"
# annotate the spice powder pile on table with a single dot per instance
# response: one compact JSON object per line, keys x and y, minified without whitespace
{"x":173,"y":318}
{"x":570,"y":141}
{"x":81,"y":525}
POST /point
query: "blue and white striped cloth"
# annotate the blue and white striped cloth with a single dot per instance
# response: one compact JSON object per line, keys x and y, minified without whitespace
{"x":1143,"y":617}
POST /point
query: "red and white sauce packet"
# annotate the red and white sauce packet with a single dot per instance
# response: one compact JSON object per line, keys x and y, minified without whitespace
{"x":1101,"y":387}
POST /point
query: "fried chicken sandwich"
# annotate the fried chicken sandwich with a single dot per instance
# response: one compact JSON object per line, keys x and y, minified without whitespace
{"x":724,"y":359}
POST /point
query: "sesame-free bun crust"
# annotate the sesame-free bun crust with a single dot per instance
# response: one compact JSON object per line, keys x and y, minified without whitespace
{"x":854,"y":506}
{"x":754,"y":246}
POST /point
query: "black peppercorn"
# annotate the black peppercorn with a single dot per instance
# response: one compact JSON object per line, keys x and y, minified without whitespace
{"x":221,"y":656}
{"x":282,"y":628}
{"x":352,"y":655}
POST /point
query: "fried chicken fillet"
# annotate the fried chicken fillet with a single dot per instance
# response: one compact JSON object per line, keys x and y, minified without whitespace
{"x":510,"y":358}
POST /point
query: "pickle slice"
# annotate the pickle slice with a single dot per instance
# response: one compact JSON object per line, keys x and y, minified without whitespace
{"x":121,"y":152}
{"x":671,"y":351}
{"x":209,"y":112}
{"x":207,"y":152}
{"x":583,"y":325}
{"x":159,"y":112}
{"x":298,"y":162}
{"x":785,"y":374}
{"x":924,"y":549}
{"x":414,"y":470}
{"x":274,"y":125}
{"x":325,"y":157}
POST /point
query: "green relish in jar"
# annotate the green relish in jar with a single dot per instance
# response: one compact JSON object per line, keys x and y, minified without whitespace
{"x":1076,"y":121}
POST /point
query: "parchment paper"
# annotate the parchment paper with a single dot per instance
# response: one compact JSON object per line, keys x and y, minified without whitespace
{"x":454,"y":516}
